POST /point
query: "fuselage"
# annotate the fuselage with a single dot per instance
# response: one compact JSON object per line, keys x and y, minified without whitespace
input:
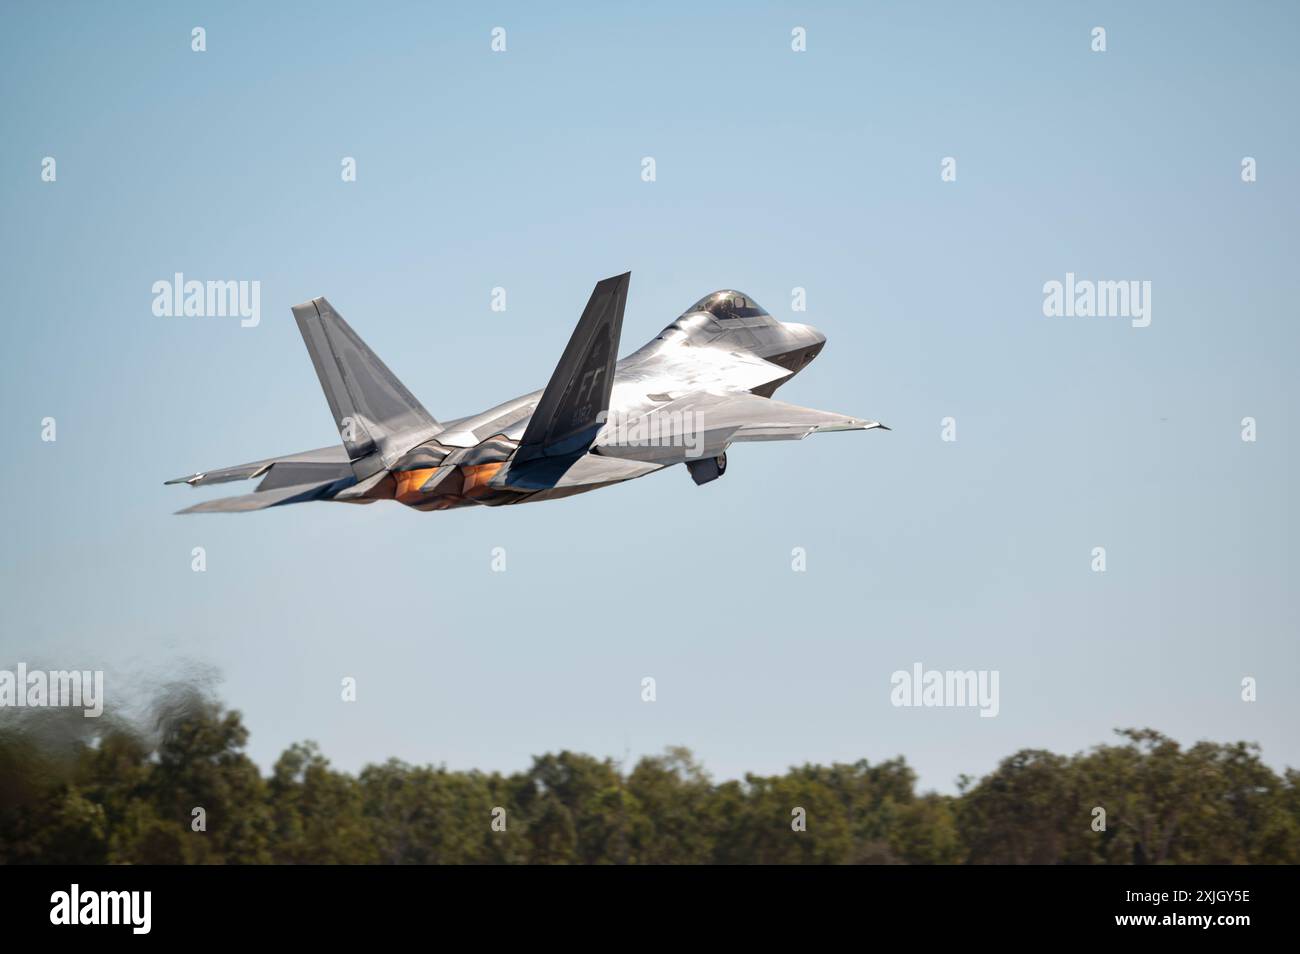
{"x":724,"y":343}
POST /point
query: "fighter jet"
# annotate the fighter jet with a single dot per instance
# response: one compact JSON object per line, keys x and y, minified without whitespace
{"x":704,"y":383}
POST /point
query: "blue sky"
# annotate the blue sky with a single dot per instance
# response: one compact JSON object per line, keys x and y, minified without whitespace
{"x":775,"y":169}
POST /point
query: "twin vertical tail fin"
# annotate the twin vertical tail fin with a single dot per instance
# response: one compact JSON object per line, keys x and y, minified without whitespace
{"x":572,"y":409}
{"x":378,"y":418}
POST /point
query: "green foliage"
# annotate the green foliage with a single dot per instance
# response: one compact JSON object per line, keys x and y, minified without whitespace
{"x":120,"y":796}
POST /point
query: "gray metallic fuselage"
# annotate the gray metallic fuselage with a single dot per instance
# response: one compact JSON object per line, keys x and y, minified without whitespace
{"x":696,"y":353}
{"x":704,"y":383}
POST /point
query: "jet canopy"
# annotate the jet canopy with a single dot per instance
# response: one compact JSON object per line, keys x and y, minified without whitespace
{"x":728,"y":303}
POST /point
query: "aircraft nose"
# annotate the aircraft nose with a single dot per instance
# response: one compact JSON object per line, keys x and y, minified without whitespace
{"x":807,"y":332}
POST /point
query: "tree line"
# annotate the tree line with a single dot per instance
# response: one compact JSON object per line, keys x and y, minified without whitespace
{"x":185,"y":792}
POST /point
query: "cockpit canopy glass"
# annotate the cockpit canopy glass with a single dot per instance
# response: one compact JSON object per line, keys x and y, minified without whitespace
{"x":728,"y":304}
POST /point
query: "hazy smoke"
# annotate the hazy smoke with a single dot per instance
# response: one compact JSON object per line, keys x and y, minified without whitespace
{"x":145,"y":705}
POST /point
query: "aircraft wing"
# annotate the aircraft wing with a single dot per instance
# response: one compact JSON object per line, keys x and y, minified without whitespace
{"x":703,"y":424}
{"x":750,"y":417}
{"x":726,"y":417}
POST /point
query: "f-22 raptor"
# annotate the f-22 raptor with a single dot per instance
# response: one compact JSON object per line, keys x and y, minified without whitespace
{"x":705,"y":382}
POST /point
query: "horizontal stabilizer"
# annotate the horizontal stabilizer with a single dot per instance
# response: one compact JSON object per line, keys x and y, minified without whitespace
{"x":328,"y":460}
{"x":260,"y":500}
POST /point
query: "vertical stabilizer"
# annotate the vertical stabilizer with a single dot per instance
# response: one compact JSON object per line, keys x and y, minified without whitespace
{"x":378,"y":419}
